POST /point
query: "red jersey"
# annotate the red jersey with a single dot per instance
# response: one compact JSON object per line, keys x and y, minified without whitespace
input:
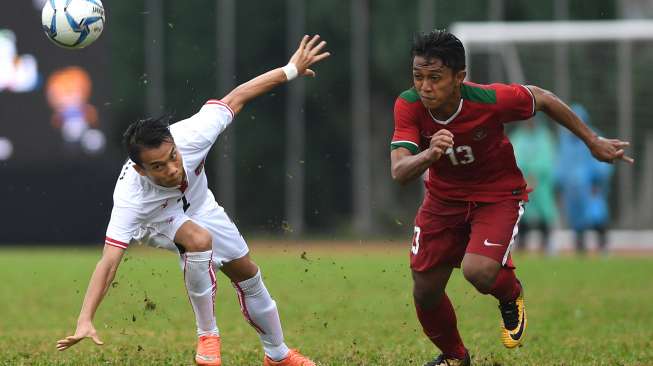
{"x":481,"y":166}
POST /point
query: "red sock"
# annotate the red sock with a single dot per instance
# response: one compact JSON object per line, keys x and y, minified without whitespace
{"x":439,"y":324}
{"x":506,"y":287}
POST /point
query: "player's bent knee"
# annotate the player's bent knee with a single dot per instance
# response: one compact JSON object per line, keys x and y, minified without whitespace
{"x":482,"y":277}
{"x":200,"y":241}
{"x":193,"y":237}
{"x":429,"y":286}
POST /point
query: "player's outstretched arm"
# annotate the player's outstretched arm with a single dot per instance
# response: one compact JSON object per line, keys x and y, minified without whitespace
{"x":308,"y":53}
{"x":98,"y":286}
{"x":606,"y":150}
{"x":405,"y":166}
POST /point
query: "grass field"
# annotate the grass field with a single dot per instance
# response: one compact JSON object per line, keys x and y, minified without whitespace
{"x":340,"y":304}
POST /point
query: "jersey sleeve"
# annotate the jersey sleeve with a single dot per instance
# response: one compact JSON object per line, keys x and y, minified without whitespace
{"x":203,"y":128}
{"x":515,"y":102}
{"x":123,"y":225}
{"x":406,"y":132}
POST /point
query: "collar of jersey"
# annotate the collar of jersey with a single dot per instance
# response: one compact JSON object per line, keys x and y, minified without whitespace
{"x":453,"y":116}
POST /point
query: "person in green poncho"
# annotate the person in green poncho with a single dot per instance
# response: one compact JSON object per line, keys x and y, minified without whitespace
{"x":535,"y":153}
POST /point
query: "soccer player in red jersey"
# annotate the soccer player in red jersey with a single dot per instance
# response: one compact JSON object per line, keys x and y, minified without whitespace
{"x":475,"y":193}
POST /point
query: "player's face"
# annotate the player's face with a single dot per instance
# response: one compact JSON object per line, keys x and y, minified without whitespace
{"x":163,"y":165}
{"x":437,"y":85}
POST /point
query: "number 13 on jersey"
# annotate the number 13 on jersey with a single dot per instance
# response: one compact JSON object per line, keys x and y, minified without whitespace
{"x":463,"y":155}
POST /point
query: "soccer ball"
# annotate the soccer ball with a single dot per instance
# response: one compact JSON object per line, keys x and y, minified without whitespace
{"x":73,"y":23}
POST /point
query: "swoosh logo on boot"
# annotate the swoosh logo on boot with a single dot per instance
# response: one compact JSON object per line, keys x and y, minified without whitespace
{"x":517,"y":336}
{"x":206,"y":358}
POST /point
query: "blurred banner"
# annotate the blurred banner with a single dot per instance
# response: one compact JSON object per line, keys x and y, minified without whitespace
{"x":53,"y":133}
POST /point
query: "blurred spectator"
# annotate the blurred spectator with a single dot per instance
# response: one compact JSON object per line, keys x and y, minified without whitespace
{"x":535,"y":153}
{"x":18,"y":73}
{"x":68,"y":91}
{"x":6,"y":148}
{"x":583,"y":183}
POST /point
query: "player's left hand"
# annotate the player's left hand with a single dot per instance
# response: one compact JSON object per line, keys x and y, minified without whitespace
{"x":610,"y":150}
{"x":307,"y":54}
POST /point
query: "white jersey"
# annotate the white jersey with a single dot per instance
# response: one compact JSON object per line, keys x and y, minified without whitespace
{"x":138,"y":202}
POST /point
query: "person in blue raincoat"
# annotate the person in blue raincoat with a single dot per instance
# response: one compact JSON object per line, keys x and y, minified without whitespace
{"x":583,"y":183}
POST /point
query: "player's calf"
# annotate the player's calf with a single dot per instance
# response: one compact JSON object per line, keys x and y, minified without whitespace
{"x":260,"y":311}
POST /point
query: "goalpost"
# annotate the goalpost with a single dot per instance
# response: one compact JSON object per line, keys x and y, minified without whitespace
{"x":605,"y":65}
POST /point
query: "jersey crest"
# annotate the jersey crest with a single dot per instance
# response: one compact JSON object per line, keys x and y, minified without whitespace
{"x":480,"y":134}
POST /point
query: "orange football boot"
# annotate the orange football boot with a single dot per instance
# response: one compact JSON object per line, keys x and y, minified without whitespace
{"x":294,"y":358}
{"x":208,"y":351}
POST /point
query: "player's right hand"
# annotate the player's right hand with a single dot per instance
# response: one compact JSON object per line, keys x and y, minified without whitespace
{"x":609,"y":150}
{"x":84,"y":330}
{"x":307,"y":54}
{"x":440,"y":142}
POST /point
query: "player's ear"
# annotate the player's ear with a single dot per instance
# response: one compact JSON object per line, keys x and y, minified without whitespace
{"x":460,"y":76}
{"x":139,"y":169}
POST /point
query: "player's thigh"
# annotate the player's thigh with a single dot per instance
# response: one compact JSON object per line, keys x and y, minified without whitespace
{"x":438,"y":240}
{"x":228,"y":243}
{"x":161,"y":233}
{"x":493,"y":230}
{"x":153,"y":238}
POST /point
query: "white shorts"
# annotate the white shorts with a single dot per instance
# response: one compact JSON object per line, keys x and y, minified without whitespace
{"x":228,"y":243}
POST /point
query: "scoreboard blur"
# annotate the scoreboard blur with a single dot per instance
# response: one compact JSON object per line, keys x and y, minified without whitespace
{"x":57,"y":164}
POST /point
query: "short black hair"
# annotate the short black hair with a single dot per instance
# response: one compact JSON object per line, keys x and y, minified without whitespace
{"x":147,"y":133}
{"x":442,"y":45}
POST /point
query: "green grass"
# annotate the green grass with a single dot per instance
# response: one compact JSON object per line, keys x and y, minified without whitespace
{"x":341,"y":306}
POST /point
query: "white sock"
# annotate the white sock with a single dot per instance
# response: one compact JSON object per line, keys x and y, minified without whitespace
{"x":261,"y":312}
{"x":199,"y":278}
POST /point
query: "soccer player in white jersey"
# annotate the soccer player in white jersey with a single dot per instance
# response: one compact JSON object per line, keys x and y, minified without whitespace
{"x":162,"y":199}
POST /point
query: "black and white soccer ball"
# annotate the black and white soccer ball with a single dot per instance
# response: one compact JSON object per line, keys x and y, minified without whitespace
{"x":73,"y":23}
